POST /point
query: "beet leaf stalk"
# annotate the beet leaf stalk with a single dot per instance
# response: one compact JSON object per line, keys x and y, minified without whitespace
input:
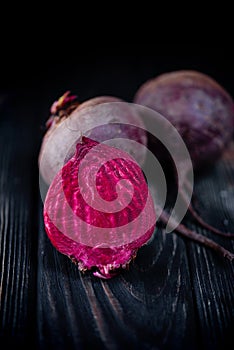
{"x":196,"y":237}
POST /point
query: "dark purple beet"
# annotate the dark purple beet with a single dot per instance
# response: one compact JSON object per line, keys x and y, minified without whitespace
{"x":200,"y":109}
{"x":202,"y":112}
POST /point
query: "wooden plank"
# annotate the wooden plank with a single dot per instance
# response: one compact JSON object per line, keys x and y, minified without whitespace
{"x":148,"y":307}
{"x":212,"y":277}
{"x":18,"y":227}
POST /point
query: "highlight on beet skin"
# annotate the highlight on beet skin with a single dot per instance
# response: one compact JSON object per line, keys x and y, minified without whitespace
{"x":98,"y":210}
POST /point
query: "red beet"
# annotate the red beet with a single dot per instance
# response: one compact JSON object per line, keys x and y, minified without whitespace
{"x":200,"y":109}
{"x":99,"y":221}
{"x":72,"y":120}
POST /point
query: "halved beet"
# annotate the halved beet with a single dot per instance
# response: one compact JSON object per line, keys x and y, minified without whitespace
{"x":98,"y":210}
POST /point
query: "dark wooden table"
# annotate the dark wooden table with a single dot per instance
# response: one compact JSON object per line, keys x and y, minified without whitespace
{"x":176,"y":294}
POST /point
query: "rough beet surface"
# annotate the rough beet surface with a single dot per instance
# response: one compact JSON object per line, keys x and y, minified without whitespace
{"x":71,"y":221}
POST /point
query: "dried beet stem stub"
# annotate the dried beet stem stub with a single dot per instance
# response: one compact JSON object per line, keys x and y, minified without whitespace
{"x":99,"y":227}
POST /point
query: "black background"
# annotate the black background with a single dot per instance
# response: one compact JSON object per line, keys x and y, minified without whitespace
{"x":97,"y":69}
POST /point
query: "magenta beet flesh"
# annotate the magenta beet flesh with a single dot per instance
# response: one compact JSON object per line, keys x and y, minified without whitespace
{"x":84,"y":232}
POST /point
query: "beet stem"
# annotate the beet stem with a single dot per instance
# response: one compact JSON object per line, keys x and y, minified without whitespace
{"x":199,"y":219}
{"x":208,"y":226}
{"x":209,"y":243}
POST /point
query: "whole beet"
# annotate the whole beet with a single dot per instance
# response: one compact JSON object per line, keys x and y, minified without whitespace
{"x":70,"y":123}
{"x":203,"y":113}
{"x":200,"y":109}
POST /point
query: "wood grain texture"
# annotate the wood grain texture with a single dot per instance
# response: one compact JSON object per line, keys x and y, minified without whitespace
{"x":148,"y":307}
{"x":176,"y":295}
{"x":213,"y":277}
{"x":17,"y":228}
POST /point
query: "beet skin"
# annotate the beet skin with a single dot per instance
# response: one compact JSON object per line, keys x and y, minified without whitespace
{"x":200,"y":109}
